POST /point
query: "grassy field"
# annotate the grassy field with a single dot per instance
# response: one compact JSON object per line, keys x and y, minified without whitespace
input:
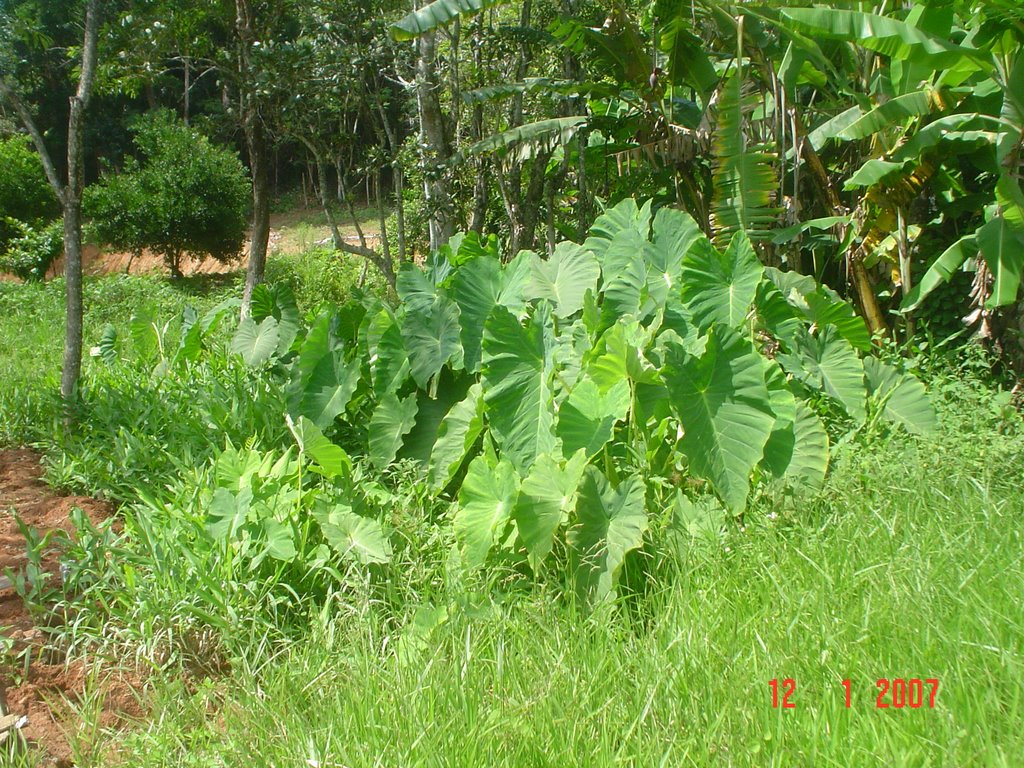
{"x":911,"y":568}
{"x":908,"y":566}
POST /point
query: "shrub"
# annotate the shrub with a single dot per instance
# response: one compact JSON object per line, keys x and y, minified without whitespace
{"x":27,"y":244}
{"x":25,"y":195}
{"x":32,"y":249}
{"x":321,"y":276}
{"x":185,"y":198}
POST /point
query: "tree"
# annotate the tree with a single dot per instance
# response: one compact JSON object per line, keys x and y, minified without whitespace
{"x":68,"y":189}
{"x":187,"y":198}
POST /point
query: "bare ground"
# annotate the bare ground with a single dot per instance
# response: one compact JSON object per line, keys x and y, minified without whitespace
{"x":36,"y":681}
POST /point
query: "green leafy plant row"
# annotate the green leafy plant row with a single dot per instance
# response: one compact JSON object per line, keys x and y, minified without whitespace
{"x":570,"y":403}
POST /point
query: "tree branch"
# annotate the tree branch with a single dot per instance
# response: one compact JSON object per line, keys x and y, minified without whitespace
{"x":9,"y":95}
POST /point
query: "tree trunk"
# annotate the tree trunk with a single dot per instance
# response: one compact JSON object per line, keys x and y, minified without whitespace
{"x":259,"y":160}
{"x":435,"y":185}
{"x":72,"y":203}
{"x":188,"y":87}
{"x":260,"y":213}
{"x":72,"y":367}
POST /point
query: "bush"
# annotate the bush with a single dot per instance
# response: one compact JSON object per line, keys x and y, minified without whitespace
{"x":31,"y":251}
{"x":185,"y":199}
{"x":25,"y":195}
{"x":28,"y":245}
{"x":320,"y":276}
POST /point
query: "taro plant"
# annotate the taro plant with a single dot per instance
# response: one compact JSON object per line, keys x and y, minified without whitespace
{"x":564,"y":403}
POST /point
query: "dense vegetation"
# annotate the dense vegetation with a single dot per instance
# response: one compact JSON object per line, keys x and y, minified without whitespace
{"x":682,"y":356}
{"x":187,"y":199}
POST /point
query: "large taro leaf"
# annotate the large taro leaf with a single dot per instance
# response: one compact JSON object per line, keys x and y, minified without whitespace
{"x":723,"y":403}
{"x":391,"y":422}
{"x":256,"y":343}
{"x":572,"y":346}
{"x":672,"y":235}
{"x":810,"y":453}
{"x":612,"y":522}
{"x":486,"y":500}
{"x":618,"y":355}
{"x":388,"y":360}
{"x":694,"y":522}
{"x":322,"y":382}
{"x":516,"y":278}
{"x":456,"y":435}
{"x":903,"y":396}
{"x":477,"y":288}
{"x":546,"y":499}
{"x":432,"y":338}
{"x":820,"y":305}
{"x":776,"y":315}
{"x":588,"y":416}
{"x":277,"y":301}
{"x":517,"y":384}
{"x":720,"y":287}
{"x":145,"y":333}
{"x":828,"y":362}
{"x":353,"y":536}
{"x":625,"y":276}
{"x":797,"y":450}
{"x":430,"y":413}
{"x":564,"y":278}
{"x":329,"y":460}
{"x":415,"y":287}
{"x":622,"y":216}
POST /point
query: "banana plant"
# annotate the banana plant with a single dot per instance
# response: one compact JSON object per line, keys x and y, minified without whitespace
{"x":949,"y":113}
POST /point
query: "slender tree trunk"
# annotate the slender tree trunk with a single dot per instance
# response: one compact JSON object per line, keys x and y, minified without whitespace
{"x":399,"y":176}
{"x":72,"y":367}
{"x":259,"y":156}
{"x":260,"y":215}
{"x":72,"y":203}
{"x":188,"y":87}
{"x":436,"y":187}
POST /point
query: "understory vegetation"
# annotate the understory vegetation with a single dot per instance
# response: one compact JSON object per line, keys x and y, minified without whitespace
{"x":294,"y":597}
{"x":638,"y":384}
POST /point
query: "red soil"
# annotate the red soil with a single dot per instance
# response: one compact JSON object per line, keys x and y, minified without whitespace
{"x":41,"y":694}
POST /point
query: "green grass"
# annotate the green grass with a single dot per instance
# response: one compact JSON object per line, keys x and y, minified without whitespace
{"x":31,"y":341}
{"x":909,"y":567}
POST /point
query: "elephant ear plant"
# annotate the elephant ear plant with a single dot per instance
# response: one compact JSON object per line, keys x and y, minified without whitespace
{"x":565,"y":403}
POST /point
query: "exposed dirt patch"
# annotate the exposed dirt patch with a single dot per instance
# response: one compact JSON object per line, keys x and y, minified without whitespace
{"x":290,"y":232}
{"x":40,"y":694}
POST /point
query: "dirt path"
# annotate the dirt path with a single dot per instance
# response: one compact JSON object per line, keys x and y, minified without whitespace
{"x":39,"y":694}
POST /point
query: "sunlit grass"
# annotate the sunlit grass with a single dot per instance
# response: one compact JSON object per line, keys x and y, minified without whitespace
{"x":901,"y":572}
{"x":908,"y":566}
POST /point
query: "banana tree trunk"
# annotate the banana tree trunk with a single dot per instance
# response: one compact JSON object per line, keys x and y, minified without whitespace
{"x":866,"y":298}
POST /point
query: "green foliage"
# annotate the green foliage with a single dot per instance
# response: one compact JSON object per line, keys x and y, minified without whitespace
{"x":322,"y":276}
{"x":184,"y":199}
{"x":30,"y":239}
{"x":31,"y":250}
{"x":25,"y":193}
{"x":436,"y":14}
{"x":639,"y":353}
